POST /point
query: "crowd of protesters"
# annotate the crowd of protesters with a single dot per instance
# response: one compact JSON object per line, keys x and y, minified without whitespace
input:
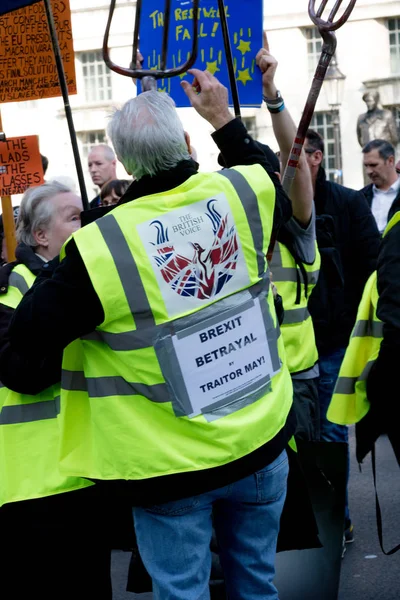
{"x":122,"y":422}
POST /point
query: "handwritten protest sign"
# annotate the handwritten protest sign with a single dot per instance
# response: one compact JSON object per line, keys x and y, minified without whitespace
{"x":20,"y":165}
{"x":245,"y":21}
{"x":27,"y":65}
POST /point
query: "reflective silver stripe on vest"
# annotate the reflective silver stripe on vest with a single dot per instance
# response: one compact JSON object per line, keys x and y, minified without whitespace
{"x":28,"y":413}
{"x":16,"y":280}
{"x":127,"y":270}
{"x":367,"y":328}
{"x":103,"y":387}
{"x":249,"y":200}
{"x":283,"y":274}
{"x":295,"y":315}
{"x":347,"y":385}
{"x":128,"y":340}
{"x":74,"y":381}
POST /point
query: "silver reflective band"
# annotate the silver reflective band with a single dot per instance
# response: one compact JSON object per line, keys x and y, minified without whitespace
{"x":28,"y":413}
{"x":103,"y":387}
{"x":127,"y":271}
{"x":295,"y":315}
{"x":281,"y":273}
{"x":249,"y":200}
{"x":16,"y":280}
{"x":347,"y":385}
{"x":128,"y":340}
{"x":368,"y":329}
{"x":291,"y":274}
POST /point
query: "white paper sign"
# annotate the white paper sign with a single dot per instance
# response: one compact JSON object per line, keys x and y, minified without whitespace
{"x":224,"y":360}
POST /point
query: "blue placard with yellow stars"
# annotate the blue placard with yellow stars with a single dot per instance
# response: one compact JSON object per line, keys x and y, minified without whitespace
{"x":245,"y":22}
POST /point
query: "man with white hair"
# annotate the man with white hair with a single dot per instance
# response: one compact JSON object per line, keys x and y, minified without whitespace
{"x":175,"y":388}
{"x":102,"y":166}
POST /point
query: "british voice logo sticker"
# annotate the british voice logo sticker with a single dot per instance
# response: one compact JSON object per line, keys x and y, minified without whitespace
{"x":203,"y":271}
{"x":195,"y":254}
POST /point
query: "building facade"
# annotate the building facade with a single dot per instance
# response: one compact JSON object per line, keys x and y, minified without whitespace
{"x":368,"y":54}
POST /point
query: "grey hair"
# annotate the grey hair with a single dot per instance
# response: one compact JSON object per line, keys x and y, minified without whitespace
{"x":108,"y":152}
{"x":35,"y":211}
{"x":148,"y":135}
{"x":385,"y":149}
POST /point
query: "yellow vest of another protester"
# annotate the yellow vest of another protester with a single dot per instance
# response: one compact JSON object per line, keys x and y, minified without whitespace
{"x":29,"y":433}
{"x":349,"y":402}
{"x":295,"y":285}
{"x":187,"y":370}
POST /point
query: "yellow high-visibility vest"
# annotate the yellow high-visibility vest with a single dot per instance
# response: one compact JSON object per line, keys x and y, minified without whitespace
{"x":29,"y":433}
{"x":349,"y":402}
{"x":295,"y":287}
{"x":187,"y":370}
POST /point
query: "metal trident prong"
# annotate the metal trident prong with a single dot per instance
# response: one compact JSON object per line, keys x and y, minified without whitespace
{"x":149,"y":77}
{"x":326,"y":30}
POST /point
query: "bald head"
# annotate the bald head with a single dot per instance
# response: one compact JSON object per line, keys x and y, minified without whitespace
{"x":102,"y":164}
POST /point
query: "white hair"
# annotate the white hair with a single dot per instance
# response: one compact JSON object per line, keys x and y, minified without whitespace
{"x":108,"y":152}
{"x":148,"y":135}
{"x":35,"y":211}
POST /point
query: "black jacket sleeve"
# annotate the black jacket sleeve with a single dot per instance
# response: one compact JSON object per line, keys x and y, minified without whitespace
{"x":20,"y":372}
{"x":238,"y":148}
{"x":60,"y":307}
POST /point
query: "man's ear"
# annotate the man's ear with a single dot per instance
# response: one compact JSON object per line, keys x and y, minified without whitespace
{"x":41,"y":238}
{"x":187,"y":140}
{"x":317,"y":157}
{"x":390,"y":161}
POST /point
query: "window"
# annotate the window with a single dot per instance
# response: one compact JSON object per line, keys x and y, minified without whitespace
{"x":251,"y":126}
{"x":96,"y":77}
{"x":322,"y":123}
{"x":394,"y":44}
{"x":91,"y":138}
{"x":314,"y":46}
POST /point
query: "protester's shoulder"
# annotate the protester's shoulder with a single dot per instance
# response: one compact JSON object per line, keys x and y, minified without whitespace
{"x":354,"y":200}
{"x":367,"y":190}
{"x":5,"y":272}
{"x":391,"y":238}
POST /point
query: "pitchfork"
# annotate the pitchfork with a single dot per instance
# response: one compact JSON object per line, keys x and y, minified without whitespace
{"x":149,"y":77}
{"x":326,"y":30}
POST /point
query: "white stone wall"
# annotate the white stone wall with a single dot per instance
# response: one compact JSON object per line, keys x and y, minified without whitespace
{"x":363,"y":54}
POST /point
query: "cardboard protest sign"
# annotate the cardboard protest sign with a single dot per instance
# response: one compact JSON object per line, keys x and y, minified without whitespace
{"x":20,"y":165}
{"x":27,"y":65}
{"x":245,"y":22}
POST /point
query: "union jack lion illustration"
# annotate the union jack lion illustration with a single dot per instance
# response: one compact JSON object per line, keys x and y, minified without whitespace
{"x":204,"y":274}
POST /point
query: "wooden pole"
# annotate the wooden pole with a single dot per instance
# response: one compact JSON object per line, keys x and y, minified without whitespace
{"x":8,"y":221}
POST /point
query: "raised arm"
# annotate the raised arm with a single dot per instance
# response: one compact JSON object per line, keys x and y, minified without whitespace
{"x":301,"y":193}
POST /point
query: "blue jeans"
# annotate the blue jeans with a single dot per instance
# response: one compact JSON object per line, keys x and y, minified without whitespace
{"x":174,"y":538}
{"x":329,"y":367}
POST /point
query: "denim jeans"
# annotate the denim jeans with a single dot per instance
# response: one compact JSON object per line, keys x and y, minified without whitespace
{"x":174,"y":538}
{"x":329,"y":367}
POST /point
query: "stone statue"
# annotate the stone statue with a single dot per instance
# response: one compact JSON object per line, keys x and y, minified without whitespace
{"x":376,"y":123}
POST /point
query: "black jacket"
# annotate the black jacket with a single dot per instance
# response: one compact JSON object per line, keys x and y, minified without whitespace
{"x":383,"y":383}
{"x":27,"y":369}
{"x":348,"y":240}
{"x":63,"y":306}
{"x":369,"y":194}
